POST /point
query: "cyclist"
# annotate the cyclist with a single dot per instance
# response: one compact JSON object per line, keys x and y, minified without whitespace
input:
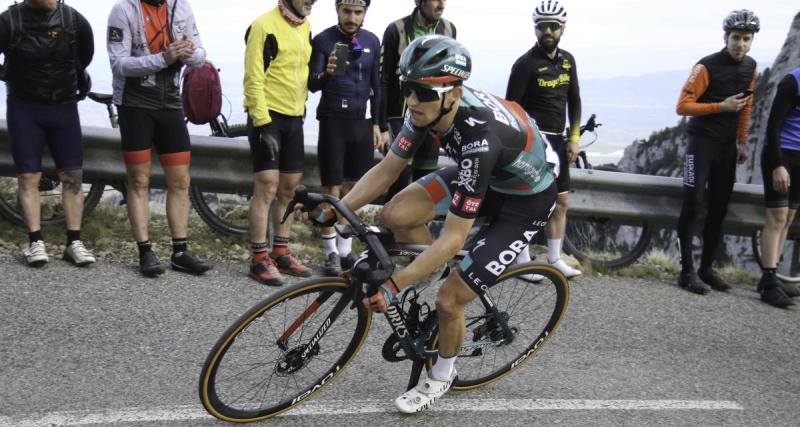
{"x":45,"y":78}
{"x":780,"y":168}
{"x":501,"y":173}
{"x":275,"y":91}
{"x":349,"y":132}
{"x":545,"y":82}
{"x":717,"y":97}
{"x":149,"y":41}
{"x":426,"y":18}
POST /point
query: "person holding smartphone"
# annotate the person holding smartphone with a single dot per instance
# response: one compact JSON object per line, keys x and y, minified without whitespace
{"x":717,"y":98}
{"x":345,"y":66}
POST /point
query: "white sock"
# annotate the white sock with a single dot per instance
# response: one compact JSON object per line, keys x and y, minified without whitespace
{"x":525,"y":255}
{"x":443,"y":368}
{"x":345,"y":245}
{"x":553,"y":250}
{"x":329,"y":243}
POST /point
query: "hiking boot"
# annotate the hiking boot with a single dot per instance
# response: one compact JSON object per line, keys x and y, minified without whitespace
{"x":568,"y":271}
{"x":771,"y":293}
{"x":712,"y":279}
{"x":348,"y":261}
{"x":263,"y":270}
{"x":149,"y":265}
{"x":332,"y":265}
{"x":188,"y":263}
{"x":424,"y":394}
{"x":287,"y":264}
{"x":77,"y":254}
{"x":688,"y":280}
{"x":36,"y":254}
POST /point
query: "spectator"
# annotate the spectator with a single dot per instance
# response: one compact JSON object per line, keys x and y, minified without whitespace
{"x":545,"y":82}
{"x":275,"y":92}
{"x":718,"y":98}
{"x":349,"y":132}
{"x":780,"y":167}
{"x":426,"y":18}
{"x":45,"y":76}
{"x":149,"y":41}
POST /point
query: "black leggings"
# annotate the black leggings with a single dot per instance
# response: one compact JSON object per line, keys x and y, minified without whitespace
{"x":707,"y":162}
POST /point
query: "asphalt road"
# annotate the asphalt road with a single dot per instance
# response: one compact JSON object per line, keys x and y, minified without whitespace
{"x":104,"y":346}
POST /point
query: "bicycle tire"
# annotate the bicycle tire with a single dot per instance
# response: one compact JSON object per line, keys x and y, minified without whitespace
{"x":755,"y":245}
{"x":225,"y":359}
{"x":51,"y":208}
{"x":510,"y":289}
{"x":601,"y":242}
{"x":209,"y":214}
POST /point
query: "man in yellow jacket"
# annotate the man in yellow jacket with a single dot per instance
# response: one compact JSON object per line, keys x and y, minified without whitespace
{"x":275,"y":92}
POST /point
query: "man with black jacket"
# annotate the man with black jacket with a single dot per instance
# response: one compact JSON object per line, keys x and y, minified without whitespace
{"x":47,"y":47}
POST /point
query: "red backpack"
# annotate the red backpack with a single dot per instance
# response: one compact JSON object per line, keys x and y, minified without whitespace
{"x":201,"y":94}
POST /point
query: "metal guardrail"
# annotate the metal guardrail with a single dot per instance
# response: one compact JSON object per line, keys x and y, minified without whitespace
{"x":223,"y":164}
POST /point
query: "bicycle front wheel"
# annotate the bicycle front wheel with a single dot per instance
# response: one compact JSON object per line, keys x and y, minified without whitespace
{"x":605,"y":242}
{"x":532,"y":312}
{"x":283,"y":350}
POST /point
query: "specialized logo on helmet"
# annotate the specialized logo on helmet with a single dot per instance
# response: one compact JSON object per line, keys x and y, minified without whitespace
{"x":449,"y":69}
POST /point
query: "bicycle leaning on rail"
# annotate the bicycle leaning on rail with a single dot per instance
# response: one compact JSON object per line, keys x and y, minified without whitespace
{"x":287,"y":347}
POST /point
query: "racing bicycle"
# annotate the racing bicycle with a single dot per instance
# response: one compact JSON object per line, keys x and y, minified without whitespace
{"x":282,"y":351}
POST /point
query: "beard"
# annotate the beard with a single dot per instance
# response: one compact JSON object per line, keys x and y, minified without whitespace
{"x":548,"y":43}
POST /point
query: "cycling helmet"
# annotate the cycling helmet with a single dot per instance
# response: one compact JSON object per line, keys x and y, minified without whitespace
{"x":741,"y":20}
{"x":550,"y":10}
{"x":435,"y":59}
{"x":364,"y":3}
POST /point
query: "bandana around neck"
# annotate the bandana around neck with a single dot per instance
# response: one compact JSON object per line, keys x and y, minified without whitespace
{"x":289,"y":14}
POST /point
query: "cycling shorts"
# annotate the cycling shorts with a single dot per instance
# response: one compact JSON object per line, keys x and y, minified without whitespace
{"x":559,"y":145}
{"x":288,"y":130}
{"x":513,"y":222}
{"x":31,"y":126}
{"x":142,"y":129}
{"x":790,"y":159}
{"x":345,"y":150}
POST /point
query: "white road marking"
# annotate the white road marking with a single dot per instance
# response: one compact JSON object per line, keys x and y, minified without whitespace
{"x":359,"y":407}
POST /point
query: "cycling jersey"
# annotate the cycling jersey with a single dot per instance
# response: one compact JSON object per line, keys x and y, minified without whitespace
{"x":715,"y":78}
{"x":546,"y":88}
{"x":783,"y":125}
{"x":495,"y":145}
{"x":142,"y":79}
{"x":276,"y":67}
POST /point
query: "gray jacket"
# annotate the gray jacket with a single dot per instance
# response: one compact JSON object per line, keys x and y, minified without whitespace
{"x":142,"y":79}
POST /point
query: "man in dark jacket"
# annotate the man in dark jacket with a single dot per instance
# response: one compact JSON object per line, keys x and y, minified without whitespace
{"x":426,"y":18}
{"x":349,"y":127}
{"x":47,"y":47}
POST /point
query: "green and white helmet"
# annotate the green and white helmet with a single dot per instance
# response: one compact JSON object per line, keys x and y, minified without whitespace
{"x":435,"y":59}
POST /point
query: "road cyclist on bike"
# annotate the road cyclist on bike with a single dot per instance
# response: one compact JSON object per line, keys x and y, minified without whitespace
{"x":501,"y":172}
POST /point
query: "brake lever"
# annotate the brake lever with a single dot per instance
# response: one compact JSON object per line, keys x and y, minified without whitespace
{"x":289,"y":210}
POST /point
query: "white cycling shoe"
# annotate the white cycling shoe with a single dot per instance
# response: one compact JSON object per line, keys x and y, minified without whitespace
{"x":568,"y":271}
{"x":77,"y":254}
{"x":36,"y":254}
{"x":424,"y":394}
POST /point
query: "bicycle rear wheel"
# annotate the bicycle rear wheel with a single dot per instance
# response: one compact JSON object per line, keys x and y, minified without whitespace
{"x":533,"y":312}
{"x":283,"y":350}
{"x":605,"y":242}
{"x":50,"y":188}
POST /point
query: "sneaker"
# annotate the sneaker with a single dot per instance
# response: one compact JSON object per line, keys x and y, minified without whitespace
{"x":287,"y":264}
{"x":77,"y":254}
{"x":36,"y":254}
{"x":424,"y":395}
{"x":264,"y":271}
{"x":772,"y":293}
{"x":332,"y":265}
{"x":348,"y":261}
{"x":712,"y":279}
{"x":568,"y":271}
{"x":149,"y":265}
{"x":688,"y":281}
{"x":188,"y":263}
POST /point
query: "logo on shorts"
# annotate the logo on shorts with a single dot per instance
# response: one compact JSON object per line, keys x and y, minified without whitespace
{"x":114,"y":34}
{"x":471,"y":205}
{"x":508,"y":256}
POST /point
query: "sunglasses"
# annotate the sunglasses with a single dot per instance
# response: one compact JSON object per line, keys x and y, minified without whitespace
{"x":553,"y":26}
{"x":424,"y":93}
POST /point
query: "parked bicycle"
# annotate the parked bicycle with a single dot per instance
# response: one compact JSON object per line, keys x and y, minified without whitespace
{"x":287,"y":347}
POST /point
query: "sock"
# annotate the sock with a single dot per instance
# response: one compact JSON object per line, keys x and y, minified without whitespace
{"x":258,"y":250}
{"x":443,"y":368}
{"x":525,"y":255}
{"x":345,"y":246}
{"x":179,"y":245}
{"x":329,"y":243}
{"x":280,"y":246}
{"x":553,"y":250}
{"x":144,"y":247}
{"x":35,"y":235}
{"x":73,"y":235}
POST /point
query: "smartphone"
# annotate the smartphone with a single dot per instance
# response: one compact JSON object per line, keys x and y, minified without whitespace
{"x":342,"y":52}
{"x":747,"y":93}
